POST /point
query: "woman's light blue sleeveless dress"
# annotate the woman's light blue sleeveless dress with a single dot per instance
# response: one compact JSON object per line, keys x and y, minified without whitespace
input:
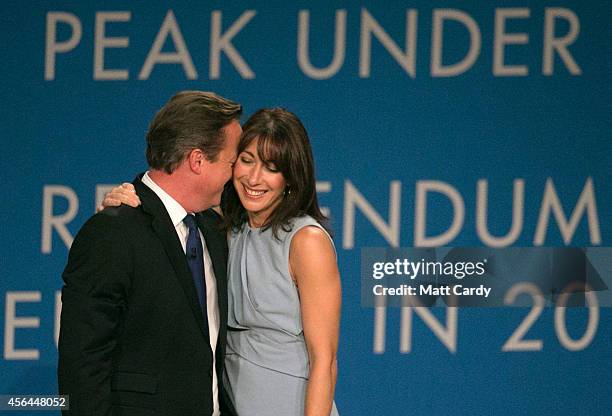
{"x":266,"y":363}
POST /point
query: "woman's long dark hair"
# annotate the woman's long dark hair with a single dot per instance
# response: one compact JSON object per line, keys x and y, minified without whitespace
{"x":283,"y":142}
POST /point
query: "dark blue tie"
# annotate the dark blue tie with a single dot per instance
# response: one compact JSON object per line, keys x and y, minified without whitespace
{"x":195,"y":258}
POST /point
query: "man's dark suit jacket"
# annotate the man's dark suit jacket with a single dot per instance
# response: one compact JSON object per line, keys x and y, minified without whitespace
{"x":133,"y":339}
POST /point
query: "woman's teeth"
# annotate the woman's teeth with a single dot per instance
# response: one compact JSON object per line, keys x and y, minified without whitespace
{"x":251,"y":192}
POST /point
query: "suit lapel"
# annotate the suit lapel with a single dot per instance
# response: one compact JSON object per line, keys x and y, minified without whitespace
{"x":163,"y":227}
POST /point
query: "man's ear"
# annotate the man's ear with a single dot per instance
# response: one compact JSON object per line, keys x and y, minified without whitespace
{"x":196,"y":159}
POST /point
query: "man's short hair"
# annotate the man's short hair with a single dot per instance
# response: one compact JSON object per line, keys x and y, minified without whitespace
{"x":190,"y":120}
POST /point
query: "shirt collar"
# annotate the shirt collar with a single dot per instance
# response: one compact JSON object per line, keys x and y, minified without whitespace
{"x":175,"y":210}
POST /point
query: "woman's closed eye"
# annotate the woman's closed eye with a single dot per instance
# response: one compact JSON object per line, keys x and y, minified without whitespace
{"x":271,"y":167}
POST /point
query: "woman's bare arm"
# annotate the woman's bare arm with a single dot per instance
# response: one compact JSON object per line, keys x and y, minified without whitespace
{"x":312,"y":262}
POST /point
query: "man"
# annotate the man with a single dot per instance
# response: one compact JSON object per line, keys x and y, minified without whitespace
{"x":143,"y":324}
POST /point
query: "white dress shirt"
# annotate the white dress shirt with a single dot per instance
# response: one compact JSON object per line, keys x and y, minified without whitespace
{"x":177,"y":214}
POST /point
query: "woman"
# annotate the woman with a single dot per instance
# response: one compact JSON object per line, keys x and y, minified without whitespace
{"x":284,"y":285}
